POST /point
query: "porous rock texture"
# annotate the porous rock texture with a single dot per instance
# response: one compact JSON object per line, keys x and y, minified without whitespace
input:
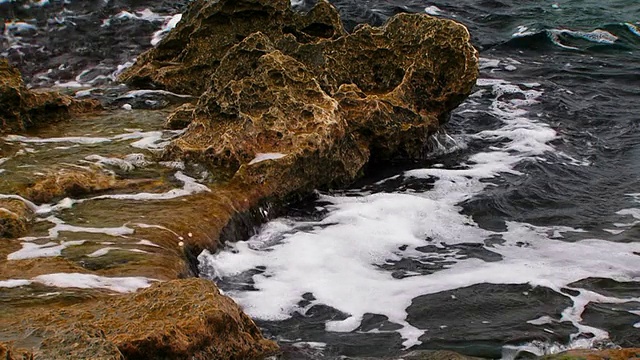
{"x":21,"y":108}
{"x":326,"y":103}
{"x":180,"y":319}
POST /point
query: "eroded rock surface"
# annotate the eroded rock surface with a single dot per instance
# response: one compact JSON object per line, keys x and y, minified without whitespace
{"x":297,"y":90}
{"x":21,"y":108}
{"x":171,"y":320}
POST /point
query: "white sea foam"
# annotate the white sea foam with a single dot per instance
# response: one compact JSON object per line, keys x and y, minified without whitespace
{"x":433,"y":10}
{"x":89,"y":281}
{"x":83,"y":140}
{"x":597,"y":36}
{"x":338,"y":258}
{"x":31,"y":250}
{"x":14,"y":283}
{"x":128,"y":163}
{"x":168,"y":26}
{"x":190,"y":186}
{"x":260,"y":157}
{"x":138,"y":93}
{"x":633,"y":28}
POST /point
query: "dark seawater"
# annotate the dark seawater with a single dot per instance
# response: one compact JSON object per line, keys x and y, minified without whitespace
{"x":520,"y":233}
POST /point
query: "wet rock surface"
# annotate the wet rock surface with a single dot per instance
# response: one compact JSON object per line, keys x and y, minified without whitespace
{"x":173,"y":320}
{"x":297,"y":90}
{"x":288,"y":102}
{"x":74,"y":182}
{"x":21,"y":109}
{"x":15,"y":217}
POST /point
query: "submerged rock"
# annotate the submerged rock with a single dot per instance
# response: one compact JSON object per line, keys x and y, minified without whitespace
{"x":183,"y":319}
{"x":21,"y":109}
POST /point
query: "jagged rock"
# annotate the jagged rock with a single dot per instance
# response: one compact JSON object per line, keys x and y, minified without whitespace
{"x":320,"y":107}
{"x":185,"y":59}
{"x":180,"y":319}
{"x":15,"y":217}
{"x":21,"y":108}
{"x":180,"y":118}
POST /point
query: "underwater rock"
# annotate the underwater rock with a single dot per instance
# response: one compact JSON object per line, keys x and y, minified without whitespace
{"x":21,"y":109}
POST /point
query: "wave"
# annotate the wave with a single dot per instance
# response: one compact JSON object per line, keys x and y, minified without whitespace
{"x":622,"y":36}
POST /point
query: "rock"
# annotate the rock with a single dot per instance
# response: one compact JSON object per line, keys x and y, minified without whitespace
{"x":15,"y":217}
{"x":318,"y":107}
{"x":21,"y":109}
{"x":7,"y":352}
{"x":64,"y":345}
{"x":180,"y":118}
{"x":185,"y":59}
{"x":180,"y":319}
{"x":73,"y":182}
{"x":590,"y":354}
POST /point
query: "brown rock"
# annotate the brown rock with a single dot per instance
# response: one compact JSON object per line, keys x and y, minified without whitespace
{"x":180,"y":118}
{"x":588,"y":354}
{"x":184,"y":61}
{"x":322,"y":107}
{"x":180,"y":319}
{"x":73,"y":182}
{"x":21,"y":108}
{"x":15,"y":217}
{"x":7,"y":352}
{"x":64,"y":344}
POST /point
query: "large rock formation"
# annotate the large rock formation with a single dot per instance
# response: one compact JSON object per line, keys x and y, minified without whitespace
{"x":297,"y":90}
{"x":186,"y":319}
{"x":21,"y":108}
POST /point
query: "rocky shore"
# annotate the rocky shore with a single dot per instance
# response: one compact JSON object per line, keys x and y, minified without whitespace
{"x":285,"y":103}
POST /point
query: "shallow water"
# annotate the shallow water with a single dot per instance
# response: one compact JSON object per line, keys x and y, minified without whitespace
{"x":519,"y":233}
